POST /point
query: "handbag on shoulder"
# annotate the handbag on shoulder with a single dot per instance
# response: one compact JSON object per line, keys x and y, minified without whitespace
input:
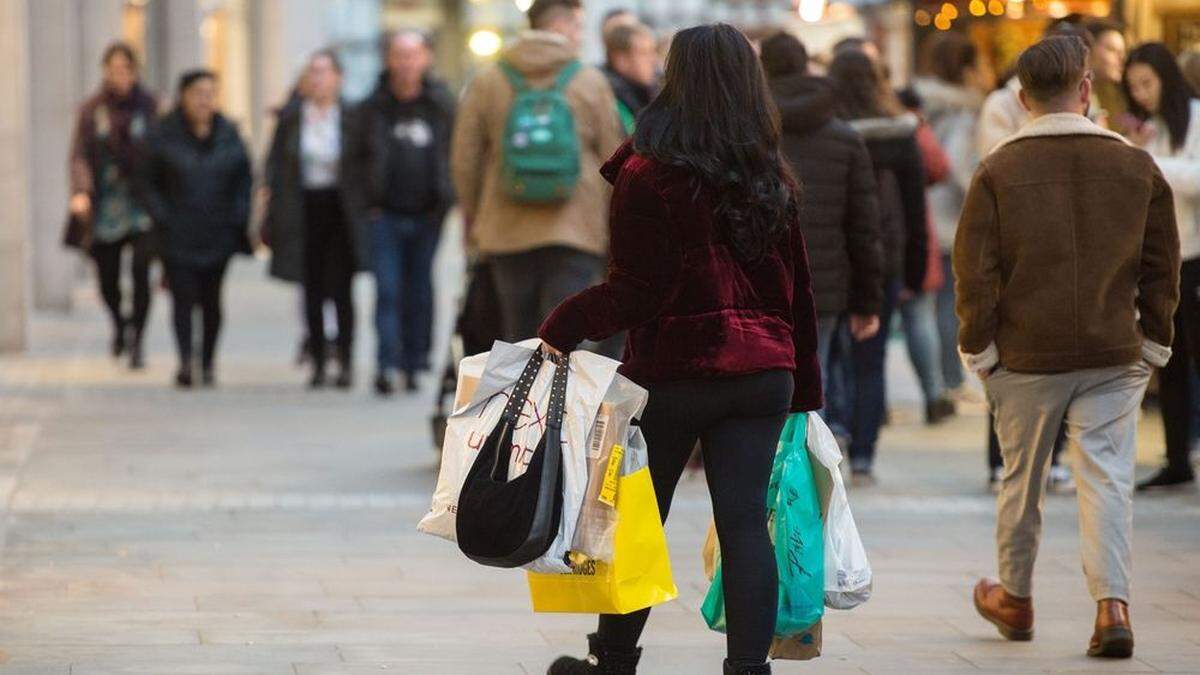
{"x":511,"y":523}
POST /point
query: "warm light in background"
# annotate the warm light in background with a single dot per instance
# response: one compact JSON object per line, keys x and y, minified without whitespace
{"x":1016,"y":9}
{"x":996,"y":8}
{"x":978,"y":8}
{"x":812,"y":10}
{"x":523,"y":5}
{"x":950,"y":11}
{"x":941,"y":22}
{"x":922,"y":18}
{"x":484,"y":42}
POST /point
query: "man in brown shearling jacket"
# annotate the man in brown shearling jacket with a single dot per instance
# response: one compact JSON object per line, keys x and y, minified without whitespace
{"x":1067,"y":268}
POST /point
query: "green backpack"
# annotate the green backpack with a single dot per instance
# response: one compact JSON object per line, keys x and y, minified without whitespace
{"x":541,"y":149}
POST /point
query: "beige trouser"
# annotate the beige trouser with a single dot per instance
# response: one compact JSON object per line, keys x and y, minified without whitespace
{"x":1097,"y":411}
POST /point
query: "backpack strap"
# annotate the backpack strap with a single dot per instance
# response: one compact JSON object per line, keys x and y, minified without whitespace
{"x":567,"y":74}
{"x":515,"y":78}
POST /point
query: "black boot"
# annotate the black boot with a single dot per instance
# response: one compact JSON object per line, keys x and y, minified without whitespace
{"x":761,"y":669}
{"x":183,"y":379}
{"x":137,"y":359}
{"x":119,"y":338}
{"x":600,"y":661}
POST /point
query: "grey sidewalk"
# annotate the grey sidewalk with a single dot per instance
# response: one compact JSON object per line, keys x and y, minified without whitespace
{"x":261,"y":528}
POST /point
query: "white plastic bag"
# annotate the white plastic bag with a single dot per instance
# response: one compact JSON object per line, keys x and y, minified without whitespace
{"x":492,"y":377}
{"x":847,"y":570}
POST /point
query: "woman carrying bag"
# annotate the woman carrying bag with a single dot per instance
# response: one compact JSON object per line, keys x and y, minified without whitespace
{"x":107,"y":214}
{"x":709,"y":274}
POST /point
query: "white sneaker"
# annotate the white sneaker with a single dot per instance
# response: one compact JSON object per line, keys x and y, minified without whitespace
{"x":1061,"y":480}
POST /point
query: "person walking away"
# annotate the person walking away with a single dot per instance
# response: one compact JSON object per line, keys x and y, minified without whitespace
{"x":709,"y":275}
{"x":545,"y":234}
{"x":952,"y":95}
{"x":1168,"y":113}
{"x":866,"y":100}
{"x":1189,"y":61}
{"x":1064,"y":336}
{"x":108,"y":145}
{"x":918,"y":312}
{"x":407,"y":121}
{"x":840,"y":212}
{"x":312,"y":210}
{"x":632,"y":69}
{"x":198,"y":185}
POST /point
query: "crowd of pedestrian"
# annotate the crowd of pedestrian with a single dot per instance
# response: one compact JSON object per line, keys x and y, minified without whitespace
{"x":753,"y":211}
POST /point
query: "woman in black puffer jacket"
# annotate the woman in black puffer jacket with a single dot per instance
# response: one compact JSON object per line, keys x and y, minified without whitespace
{"x":198,"y":185}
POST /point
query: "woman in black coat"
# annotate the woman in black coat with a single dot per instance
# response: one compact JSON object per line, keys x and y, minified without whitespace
{"x":868,"y":103}
{"x":198,"y":186}
{"x":314,"y":175}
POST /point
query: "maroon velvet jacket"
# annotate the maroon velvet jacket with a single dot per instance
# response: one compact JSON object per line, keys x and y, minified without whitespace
{"x":692,"y":310}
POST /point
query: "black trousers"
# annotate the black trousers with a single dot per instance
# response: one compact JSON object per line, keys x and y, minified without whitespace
{"x":196,"y":287}
{"x":737,"y":421}
{"x":108,"y":270}
{"x":1175,"y":385}
{"x":328,"y":273}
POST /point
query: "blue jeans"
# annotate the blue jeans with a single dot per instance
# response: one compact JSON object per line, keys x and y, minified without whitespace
{"x":947,"y":324}
{"x":833,"y":344}
{"x":402,"y":249}
{"x":917,"y":317}
{"x":870,"y":387}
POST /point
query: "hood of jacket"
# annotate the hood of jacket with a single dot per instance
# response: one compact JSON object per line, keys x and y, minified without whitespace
{"x":806,"y":103}
{"x":538,"y":53}
{"x":886,"y":128}
{"x":941,"y":98}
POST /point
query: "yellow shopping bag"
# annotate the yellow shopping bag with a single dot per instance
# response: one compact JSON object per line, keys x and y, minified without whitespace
{"x":640,"y":573}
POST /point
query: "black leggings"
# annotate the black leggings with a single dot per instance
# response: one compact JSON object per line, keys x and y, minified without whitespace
{"x":737,"y":421}
{"x":108,"y":269}
{"x":328,"y":273}
{"x":193,"y":287}
{"x":1175,"y":380}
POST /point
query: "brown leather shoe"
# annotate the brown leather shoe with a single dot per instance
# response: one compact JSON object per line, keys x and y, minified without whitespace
{"x":1113,"y":638}
{"x":1013,"y":616}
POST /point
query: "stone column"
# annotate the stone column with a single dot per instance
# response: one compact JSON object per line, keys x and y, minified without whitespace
{"x":14,"y":174}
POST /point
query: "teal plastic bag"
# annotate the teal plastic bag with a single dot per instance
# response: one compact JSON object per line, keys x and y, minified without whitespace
{"x":794,"y":520}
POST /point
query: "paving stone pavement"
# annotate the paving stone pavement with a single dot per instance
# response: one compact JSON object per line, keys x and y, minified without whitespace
{"x":262,"y":528}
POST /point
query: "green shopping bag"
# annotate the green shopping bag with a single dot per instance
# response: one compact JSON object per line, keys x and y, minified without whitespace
{"x":794,"y":520}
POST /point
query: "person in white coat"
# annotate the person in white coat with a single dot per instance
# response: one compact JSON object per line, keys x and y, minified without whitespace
{"x":1165,"y":104}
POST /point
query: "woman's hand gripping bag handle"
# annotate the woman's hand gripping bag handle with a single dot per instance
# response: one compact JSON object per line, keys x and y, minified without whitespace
{"x":847,"y":570}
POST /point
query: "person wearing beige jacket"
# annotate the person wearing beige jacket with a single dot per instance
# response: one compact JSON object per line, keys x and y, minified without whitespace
{"x":540,"y":253}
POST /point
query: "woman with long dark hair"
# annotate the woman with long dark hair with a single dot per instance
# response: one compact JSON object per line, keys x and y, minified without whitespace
{"x":868,"y":103}
{"x":1169,"y":112}
{"x":109,"y":143}
{"x":199,"y":187}
{"x":709,"y":275}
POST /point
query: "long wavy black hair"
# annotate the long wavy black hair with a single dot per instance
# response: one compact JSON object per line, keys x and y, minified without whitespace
{"x":1175,"y":106}
{"x":716,"y":118}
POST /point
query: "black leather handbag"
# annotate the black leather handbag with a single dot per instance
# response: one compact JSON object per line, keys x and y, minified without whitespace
{"x":510,"y":523}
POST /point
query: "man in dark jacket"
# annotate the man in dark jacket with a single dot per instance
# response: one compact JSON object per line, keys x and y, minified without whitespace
{"x":407,"y":122}
{"x":631,"y":67}
{"x":840,"y":207}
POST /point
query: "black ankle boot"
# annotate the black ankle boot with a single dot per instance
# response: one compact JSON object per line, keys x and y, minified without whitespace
{"x":761,"y":669}
{"x":119,"y":339}
{"x":600,"y":661}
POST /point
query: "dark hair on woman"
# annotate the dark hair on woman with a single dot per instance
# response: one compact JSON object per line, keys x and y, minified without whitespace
{"x":328,"y":53}
{"x":1175,"y":106}
{"x":783,"y":54}
{"x":951,"y":55}
{"x":716,"y":118}
{"x":191,"y":77}
{"x":863,"y":91}
{"x":119,"y":48}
